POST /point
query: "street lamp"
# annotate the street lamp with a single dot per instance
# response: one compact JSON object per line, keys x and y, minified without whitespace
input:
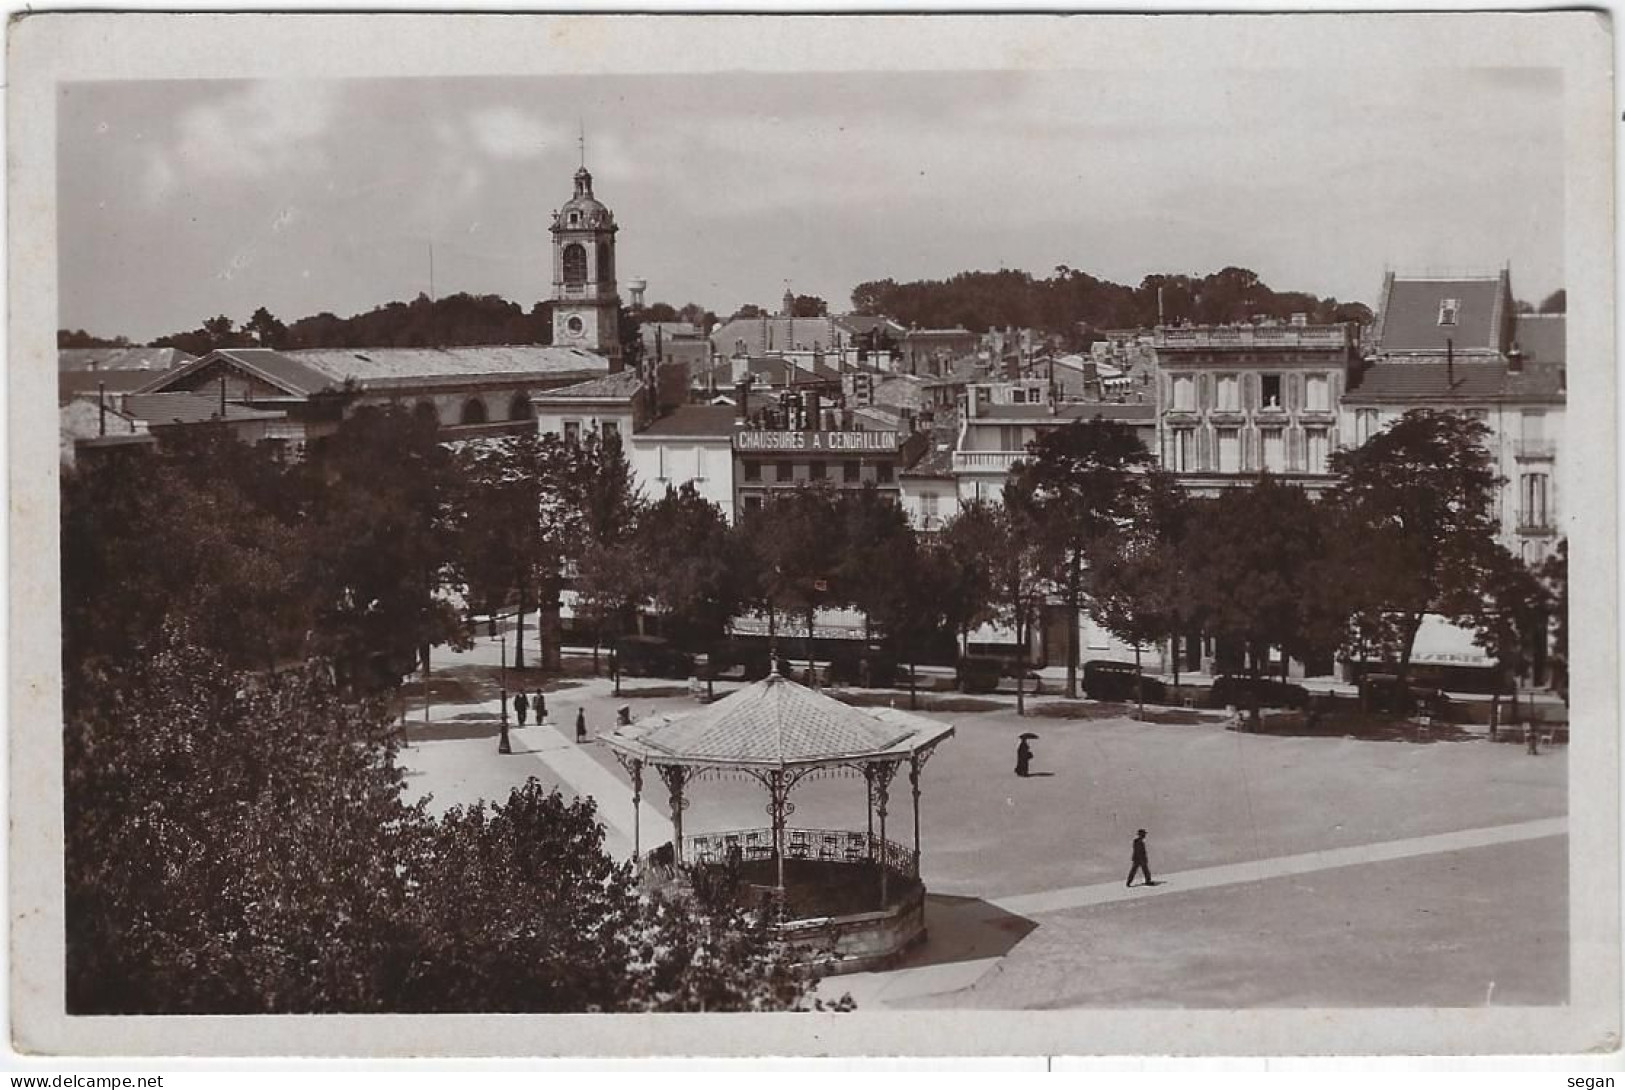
{"x":504,"y":745}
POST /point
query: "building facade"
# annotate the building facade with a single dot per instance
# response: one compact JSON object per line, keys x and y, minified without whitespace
{"x":691,"y":445}
{"x":1237,"y":401}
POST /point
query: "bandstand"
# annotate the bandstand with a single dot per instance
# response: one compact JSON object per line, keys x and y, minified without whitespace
{"x":852,"y":898}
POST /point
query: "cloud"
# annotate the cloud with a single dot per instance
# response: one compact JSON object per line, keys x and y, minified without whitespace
{"x":506,"y":132}
{"x":267,"y":127}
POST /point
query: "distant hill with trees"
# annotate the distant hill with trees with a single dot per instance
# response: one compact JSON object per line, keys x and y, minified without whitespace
{"x":1071,"y":301}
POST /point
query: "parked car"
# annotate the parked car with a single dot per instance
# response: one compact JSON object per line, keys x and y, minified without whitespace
{"x":1234,"y":690}
{"x":1105,"y":679}
{"x":1381,"y":693}
{"x":978,"y":673}
{"x":651,"y":656}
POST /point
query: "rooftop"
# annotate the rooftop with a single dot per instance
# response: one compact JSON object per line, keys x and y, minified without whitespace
{"x":776,"y":723}
{"x":189,"y":408}
{"x":1125,"y":412}
{"x":614,"y":387}
{"x":1414,"y":380}
{"x":72,"y":384}
{"x":1543,"y":337}
{"x":138,"y":358}
{"x":1415,"y":313}
{"x":698,"y":421}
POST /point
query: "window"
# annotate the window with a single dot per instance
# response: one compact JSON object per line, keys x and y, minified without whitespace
{"x":1274,"y":450}
{"x":850,"y":473}
{"x":753,"y":470}
{"x":699,"y":463}
{"x":1229,"y":450}
{"x":1319,"y":443}
{"x":473,"y":411}
{"x":777,"y":472}
{"x":574,"y":324}
{"x":1365,"y":425}
{"x":660,"y":456}
{"x":1229,"y":394}
{"x":1534,"y":515}
{"x":611,"y":431}
{"x":815,"y":471}
{"x":883,"y":473}
{"x":928,"y":508}
{"x":1272,"y":398}
{"x":1184,"y":393}
{"x":572,"y":431}
{"x":1010,"y":437}
{"x":575,"y":263}
{"x":753,"y":503}
{"x":1448,"y":309}
{"x":1183,"y":450}
{"x":1317,"y":392}
{"x":519,"y":407}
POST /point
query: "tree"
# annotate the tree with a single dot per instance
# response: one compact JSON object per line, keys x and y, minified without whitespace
{"x":382,"y":533}
{"x":1507,"y":619}
{"x":266,"y":331}
{"x":749,"y":310}
{"x":873,"y":529}
{"x":234,"y":847}
{"x":794,"y":541}
{"x":1419,"y":499}
{"x":1554,"y":579}
{"x":1555,"y":303}
{"x":1078,"y":483}
{"x":911,"y":606}
{"x":1255,"y":559}
{"x":808,"y":306}
{"x":612,"y":581}
{"x":700,"y":586}
{"x":994,"y":568}
{"x":78,"y":338}
{"x":1139,"y":587}
{"x":971,"y":541}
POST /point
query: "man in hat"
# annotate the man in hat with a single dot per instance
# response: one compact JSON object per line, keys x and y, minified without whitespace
{"x":520,"y":706}
{"x":1141,"y":866}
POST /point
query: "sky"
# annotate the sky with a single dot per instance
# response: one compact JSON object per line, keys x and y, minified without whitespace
{"x":180,"y":200}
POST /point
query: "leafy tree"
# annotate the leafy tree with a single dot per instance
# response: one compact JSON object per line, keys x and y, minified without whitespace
{"x":1139,"y":587}
{"x":971,"y":539}
{"x":996,"y":563}
{"x":749,"y":310}
{"x":1419,"y":500}
{"x":1555,"y":303}
{"x":699,"y":585}
{"x":873,"y":528}
{"x":612,"y":581}
{"x":1507,"y":619}
{"x":911,"y":606}
{"x":1255,"y":559}
{"x":1078,"y":483}
{"x":1554,"y":579}
{"x":78,"y":338}
{"x":794,"y":542}
{"x":808,"y":306}
{"x":265,"y":330}
{"x":382,"y":536}
{"x":240,"y":848}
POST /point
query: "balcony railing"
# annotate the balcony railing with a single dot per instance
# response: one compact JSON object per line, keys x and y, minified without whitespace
{"x":1535,"y":525}
{"x":986,"y":461}
{"x":1534,"y":449}
{"x":1325,"y":336}
{"x":824,"y":845}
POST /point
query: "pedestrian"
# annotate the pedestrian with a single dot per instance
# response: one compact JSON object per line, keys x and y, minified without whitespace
{"x":1532,"y":738}
{"x":1140,"y":864}
{"x":521,"y":706}
{"x":1024,"y":758}
{"x":581,"y":724}
{"x":540,"y":707}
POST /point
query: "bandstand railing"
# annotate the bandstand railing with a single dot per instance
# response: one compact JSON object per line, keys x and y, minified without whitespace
{"x":823,"y":845}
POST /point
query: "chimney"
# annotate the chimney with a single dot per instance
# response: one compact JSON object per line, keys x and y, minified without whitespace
{"x":814,"y":417}
{"x":742,"y":399}
{"x":1515,"y":360}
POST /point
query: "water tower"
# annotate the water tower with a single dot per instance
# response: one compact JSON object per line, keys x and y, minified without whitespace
{"x":636,"y":286}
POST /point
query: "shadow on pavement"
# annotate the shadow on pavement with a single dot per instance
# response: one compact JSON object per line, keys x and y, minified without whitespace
{"x":965,"y":929}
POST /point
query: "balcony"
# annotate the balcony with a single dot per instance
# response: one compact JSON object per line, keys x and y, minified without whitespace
{"x":1534,"y":450}
{"x":1537,"y":524}
{"x":1280,"y":336}
{"x":986,"y":461}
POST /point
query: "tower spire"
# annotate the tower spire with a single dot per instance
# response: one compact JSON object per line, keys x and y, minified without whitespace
{"x":581,"y":139}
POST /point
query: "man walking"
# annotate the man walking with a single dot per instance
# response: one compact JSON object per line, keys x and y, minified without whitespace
{"x":1141,"y":866}
{"x":581,"y":724}
{"x":521,"y":706}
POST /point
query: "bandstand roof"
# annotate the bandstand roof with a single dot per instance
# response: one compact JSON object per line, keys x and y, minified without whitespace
{"x":776,"y":723}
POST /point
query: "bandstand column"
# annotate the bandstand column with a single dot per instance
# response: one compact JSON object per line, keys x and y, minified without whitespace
{"x":778,"y":791}
{"x":880,"y":778}
{"x":637,"y":804}
{"x":676,"y":777}
{"x":914,"y":784}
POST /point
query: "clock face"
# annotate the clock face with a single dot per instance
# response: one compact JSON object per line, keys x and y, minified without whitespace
{"x":575,"y":325}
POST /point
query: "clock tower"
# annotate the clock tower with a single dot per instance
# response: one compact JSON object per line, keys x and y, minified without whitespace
{"x":586,"y":306}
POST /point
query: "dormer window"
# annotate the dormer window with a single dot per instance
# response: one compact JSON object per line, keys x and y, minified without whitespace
{"x":575,"y":219}
{"x":1448,"y":308}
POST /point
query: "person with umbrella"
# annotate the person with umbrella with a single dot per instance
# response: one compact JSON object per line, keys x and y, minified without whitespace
{"x":1024,"y":755}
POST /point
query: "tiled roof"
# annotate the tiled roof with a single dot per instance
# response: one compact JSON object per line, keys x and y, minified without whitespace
{"x":72,"y":384}
{"x":860,"y":324}
{"x":278,"y":369}
{"x":778,"y":334}
{"x":1468,"y":380}
{"x":121,"y":359}
{"x":615,"y":387}
{"x":409,"y":366}
{"x":1543,"y":337}
{"x":699,"y":421}
{"x":189,"y":408}
{"x":83,"y":419}
{"x":963,"y":370}
{"x":938,"y":459}
{"x":776,"y":723}
{"x":1410,"y":311}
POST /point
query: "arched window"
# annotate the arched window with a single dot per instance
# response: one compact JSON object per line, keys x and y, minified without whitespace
{"x":426,"y":413}
{"x":575,"y":263}
{"x":473,"y":411}
{"x":519,"y":408}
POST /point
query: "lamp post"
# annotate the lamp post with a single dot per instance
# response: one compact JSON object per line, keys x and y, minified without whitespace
{"x":504,"y":745}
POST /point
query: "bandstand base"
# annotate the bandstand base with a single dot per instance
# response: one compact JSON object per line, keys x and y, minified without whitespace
{"x":859,"y":942}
